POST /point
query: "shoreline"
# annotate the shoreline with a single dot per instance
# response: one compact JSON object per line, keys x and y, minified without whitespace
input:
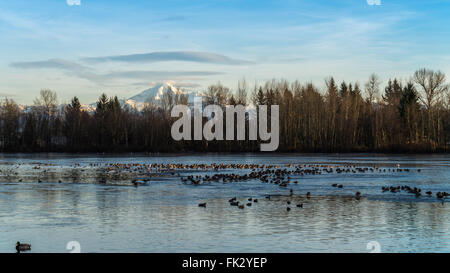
{"x":123,"y":154}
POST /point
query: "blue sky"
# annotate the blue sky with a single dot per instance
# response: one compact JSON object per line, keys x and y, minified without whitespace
{"x":123,"y":47}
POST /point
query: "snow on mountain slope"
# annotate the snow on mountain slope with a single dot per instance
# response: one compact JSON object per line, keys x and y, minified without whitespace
{"x":154,"y":94}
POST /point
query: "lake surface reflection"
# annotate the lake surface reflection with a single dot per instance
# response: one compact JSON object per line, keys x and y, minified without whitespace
{"x":165,"y":217}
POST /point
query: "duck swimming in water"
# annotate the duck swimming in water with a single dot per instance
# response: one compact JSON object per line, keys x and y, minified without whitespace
{"x":22,"y":247}
{"x":234,"y":203}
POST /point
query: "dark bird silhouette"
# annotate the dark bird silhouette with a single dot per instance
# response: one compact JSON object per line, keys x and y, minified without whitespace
{"x":22,"y":247}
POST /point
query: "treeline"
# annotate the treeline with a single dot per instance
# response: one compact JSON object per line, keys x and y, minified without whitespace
{"x":412,"y":116}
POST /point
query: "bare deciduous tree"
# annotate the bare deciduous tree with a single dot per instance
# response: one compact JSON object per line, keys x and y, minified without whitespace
{"x":242,"y":92}
{"x":47,"y":101}
{"x":432,"y":85}
{"x":217,"y":94}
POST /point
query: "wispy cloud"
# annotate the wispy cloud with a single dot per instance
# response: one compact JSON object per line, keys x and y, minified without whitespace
{"x":184,"y":56}
{"x":51,"y":63}
{"x":84,"y":72}
{"x":140,"y":74}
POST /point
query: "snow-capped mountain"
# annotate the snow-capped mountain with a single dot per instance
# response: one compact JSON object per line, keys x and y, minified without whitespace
{"x":88,"y":107}
{"x":154,"y":94}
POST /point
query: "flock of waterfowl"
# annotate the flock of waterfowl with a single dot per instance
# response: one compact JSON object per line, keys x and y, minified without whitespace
{"x":282,"y":176}
{"x":140,"y":174}
{"x":248,"y":202}
{"x":416,"y":191}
